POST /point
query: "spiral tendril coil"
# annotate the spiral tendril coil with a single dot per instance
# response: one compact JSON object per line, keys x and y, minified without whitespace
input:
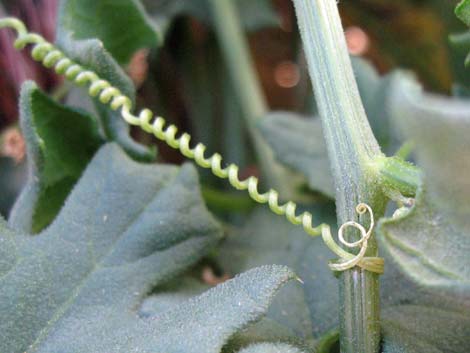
{"x":51,"y":57}
{"x":348,"y":260}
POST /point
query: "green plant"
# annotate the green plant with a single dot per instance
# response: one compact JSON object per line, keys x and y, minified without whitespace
{"x":148,"y":223}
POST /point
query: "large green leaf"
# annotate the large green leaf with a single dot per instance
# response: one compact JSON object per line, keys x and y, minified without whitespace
{"x":419,"y":329}
{"x":180,"y":289}
{"x":121,"y":25}
{"x":60,"y":143}
{"x":171,"y":294}
{"x":124,"y":228}
{"x":91,"y":54}
{"x":431,"y":242}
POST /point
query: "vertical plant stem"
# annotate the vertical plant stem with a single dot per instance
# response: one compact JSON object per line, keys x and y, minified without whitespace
{"x":246,"y":84}
{"x":351,"y":147}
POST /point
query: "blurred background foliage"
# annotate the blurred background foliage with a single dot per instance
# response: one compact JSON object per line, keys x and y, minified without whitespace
{"x":186,"y":78}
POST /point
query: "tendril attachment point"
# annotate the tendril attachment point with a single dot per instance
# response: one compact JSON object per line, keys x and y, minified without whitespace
{"x":346,"y":259}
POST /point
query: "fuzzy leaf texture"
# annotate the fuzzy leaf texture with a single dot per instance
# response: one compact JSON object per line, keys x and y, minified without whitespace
{"x":270,"y":348}
{"x":112,"y":241}
{"x":60,"y":143}
{"x":89,"y":50}
{"x":82,"y":278}
{"x":430,"y":242}
{"x":307,"y":311}
{"x":180,"y":289}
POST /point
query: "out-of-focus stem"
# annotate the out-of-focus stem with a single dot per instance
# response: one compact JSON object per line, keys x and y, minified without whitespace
{"x":246,"y":84}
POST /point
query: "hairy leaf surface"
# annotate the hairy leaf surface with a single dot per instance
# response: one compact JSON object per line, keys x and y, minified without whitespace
{"x":420,"y":329}
{"x":308,"y":310}
{"x":124,"y":228}
{"x":60,"y":143}
{"x":432,"y":241}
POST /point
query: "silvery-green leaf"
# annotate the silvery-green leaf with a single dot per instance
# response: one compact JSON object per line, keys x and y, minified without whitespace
{"x":208,"y":321}
{"x":172,"y":294}
{"x":431,"y":242}
{"x":265,"y":330}
{"x":180,"y":289}
{"x":420,"y":329}
{"x":427,"y":246}
{"x":271,"y":348}
{"x":124,"y":228}
{"x":427,"y":118}
{"x":60,"y":142}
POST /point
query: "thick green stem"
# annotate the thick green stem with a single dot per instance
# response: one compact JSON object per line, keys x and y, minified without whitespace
{"x":351,"y":147}
{"x":245,"y":81}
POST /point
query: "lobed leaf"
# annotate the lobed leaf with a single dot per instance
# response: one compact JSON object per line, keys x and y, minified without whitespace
{"x":430,"y":242}
{"x":209,"y":320}
{"x":125,"y":228}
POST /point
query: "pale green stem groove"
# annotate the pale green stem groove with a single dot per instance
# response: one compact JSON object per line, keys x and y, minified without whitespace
{"x":352,"y":148}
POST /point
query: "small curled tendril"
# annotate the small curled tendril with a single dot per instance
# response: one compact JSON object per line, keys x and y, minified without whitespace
{"x":348,"y":260}
{"x":51,"y":57}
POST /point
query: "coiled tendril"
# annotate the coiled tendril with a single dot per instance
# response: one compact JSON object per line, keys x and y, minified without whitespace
{"x":51,"y":57}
